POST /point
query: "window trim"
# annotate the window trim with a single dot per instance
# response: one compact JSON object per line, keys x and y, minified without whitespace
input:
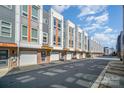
{"x":7,"y":27}
{"x":34,"y":37}
{"x":45,"y":21}
{"x":32,"y":16}
{"x":22,"y":34}
{"x":24,"y":11}
{"x":46,"y":37}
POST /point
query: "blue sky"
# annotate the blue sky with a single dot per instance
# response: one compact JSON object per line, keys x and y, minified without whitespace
{"x":102,"y":23}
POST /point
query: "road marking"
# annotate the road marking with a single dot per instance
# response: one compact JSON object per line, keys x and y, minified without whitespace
{"x":23,"y":77}
{"x":39,"y":72}
{"x":57,"y":86}
{"x":27,"y":80}
{"x":50,"y":73}
{"x":100,"y":77}
{"x":83,"y":83}
{"x":70,"y":79}
{"x":78,"y":75}
{"x":59,"y":70}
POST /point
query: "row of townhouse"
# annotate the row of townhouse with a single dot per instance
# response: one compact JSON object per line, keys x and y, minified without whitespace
{"x":29,"y":35}
{"x":95,"y":48}
{"x":120,"y":45}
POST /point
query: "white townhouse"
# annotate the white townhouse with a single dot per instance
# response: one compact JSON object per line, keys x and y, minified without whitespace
{"x":69,"y":39}
{"x":56,"y":28}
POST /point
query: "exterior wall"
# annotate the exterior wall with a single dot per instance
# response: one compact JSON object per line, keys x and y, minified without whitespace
{"x":68,"y":24}
{"x":58,"y":16}
{"x":86,"y":42}
{"x":8,"y":15}
{"x":46,"y":24}
{"x":28,"y":46}
{"x":95,"y":48}
{"x":77,"y":40}
{"x":30,"y":23}
{"x":122,"y":44}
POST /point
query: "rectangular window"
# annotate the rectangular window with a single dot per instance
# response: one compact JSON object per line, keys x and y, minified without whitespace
{"x":34,"y":35}
{"x":45,"y":38}
{"x":45,"y":21}
{"x":35,"y":12}
{"x":5,"y":29}
{"x":71,"y":37}
{"x":24,"y":33}
{"x":24,"y":10}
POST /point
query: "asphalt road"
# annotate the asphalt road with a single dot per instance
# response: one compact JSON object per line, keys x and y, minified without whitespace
{"x":72,"y":75}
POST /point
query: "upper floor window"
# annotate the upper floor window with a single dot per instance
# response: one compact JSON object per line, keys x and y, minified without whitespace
{"x":5,"y":29}
{"x":45,"y":20}
{"x":35,"y":12}
{"x":24,"y":33}
{"x":45,"y":38}
{"x":34,"y":35}
{"x":25,"y":10}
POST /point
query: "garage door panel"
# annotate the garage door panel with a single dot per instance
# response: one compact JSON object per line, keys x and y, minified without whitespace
{"x":28,"y":58}
{"x":69,"y":57}
{"x":54,"y":56}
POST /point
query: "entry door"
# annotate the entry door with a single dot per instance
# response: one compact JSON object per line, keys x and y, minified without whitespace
{"x":3,"y":58}
{"x":43,"y":54}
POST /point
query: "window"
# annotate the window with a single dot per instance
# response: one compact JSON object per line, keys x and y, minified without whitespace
{"x":34,"y":35}
{"x":54,"y":40}
{"x":8,"y":6}
{"x":45,"y":38}
{"x":24,"y":33}
{"x":35,"y":12}
{"x":5,"y":29}
{"x":59,"y":28}
{"x":25,"y":10}
{"x":45,"y":21}
{"x":59,"y":41}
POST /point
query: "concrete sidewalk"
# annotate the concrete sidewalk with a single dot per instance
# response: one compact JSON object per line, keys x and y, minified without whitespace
{"x":113,"y":76}
{"x":35,"y":67}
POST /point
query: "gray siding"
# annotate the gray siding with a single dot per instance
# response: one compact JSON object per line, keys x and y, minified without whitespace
{"x":45,"y":26}
{"x":8,"y":15}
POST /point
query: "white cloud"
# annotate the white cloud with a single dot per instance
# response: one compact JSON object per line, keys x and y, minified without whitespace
{"x":60,"y":8}
{"x":108,"y":30}
{"x":92,"y":27}
{"x":92,"y":9}
{"x":102,"y":18}
{"x":106,"y":39}
{"x":90,"y":18}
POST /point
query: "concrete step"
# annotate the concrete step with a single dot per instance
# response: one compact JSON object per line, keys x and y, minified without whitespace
{"x":115,"y":71}
{"x":117,"y":65}
{"x":116,"y":68}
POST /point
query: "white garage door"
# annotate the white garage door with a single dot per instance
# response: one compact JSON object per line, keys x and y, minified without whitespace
{"x":54,"y":56}
{"x":69,"y":56}
{"x":28,"y":58}
{"x":77,"y":55}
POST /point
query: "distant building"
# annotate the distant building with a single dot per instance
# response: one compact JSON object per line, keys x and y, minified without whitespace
{"x":95,"y":48}
{"x":108,"y":51}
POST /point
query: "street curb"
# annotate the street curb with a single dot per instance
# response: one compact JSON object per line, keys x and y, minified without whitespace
{"x":100,"y":77}
{"x":45,"y":67}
